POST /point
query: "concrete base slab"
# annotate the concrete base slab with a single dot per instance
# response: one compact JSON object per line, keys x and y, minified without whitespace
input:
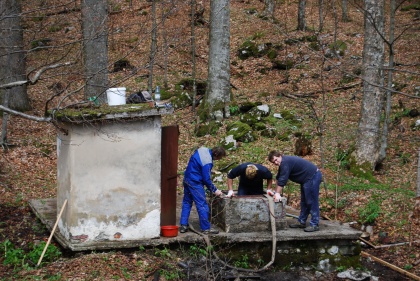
{"x":46,"y":211}
{"x":334,"y":245}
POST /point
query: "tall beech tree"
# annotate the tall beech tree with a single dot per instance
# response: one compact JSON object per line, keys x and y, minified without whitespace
{"x":95,"y":47}
{"x":217,"y":96}
{"x":369,"y":128}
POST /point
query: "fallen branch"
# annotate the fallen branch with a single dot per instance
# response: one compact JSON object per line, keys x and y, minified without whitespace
{"x":367,"y":242}
{"x":346,"y":87}
{"x":396,"y":244}
{"x":387,"y":245}
{"x":396,"y":268}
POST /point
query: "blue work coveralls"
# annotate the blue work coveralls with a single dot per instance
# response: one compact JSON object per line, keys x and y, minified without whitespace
{"x":309,"y":177}
{"x":196,"y":176}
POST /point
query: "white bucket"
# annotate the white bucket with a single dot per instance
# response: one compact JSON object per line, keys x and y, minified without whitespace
{"x":115,"y":96}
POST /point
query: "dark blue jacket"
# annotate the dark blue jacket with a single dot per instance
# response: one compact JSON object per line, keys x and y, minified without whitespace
{"x":254,"y":186}
{"x":296,"y":169}
{"x":199,"y":167}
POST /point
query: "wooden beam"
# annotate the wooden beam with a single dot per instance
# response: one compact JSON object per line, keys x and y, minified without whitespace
{"x":396,"y":268}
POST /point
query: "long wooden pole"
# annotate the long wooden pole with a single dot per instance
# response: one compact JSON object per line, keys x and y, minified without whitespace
{"x":396,"y":268}
{"x":52,"y":233}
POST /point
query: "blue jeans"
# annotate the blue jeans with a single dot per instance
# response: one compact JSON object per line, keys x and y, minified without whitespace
{"x":196,"y":194}
{"x":309,"y":199}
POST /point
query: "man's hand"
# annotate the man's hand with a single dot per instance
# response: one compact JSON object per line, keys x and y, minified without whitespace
{"x":218,"y":192}
{"x":270,"y":192}
{"x":277,"y":197}
{"x":230,"y":193}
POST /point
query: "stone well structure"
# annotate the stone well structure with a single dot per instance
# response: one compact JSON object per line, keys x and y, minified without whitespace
{"x":247,"y":214}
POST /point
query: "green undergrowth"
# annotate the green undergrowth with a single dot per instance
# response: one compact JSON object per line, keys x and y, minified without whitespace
{"x":19,"y":258}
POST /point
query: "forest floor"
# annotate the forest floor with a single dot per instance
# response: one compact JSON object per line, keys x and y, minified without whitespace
{"x":28,"y":166}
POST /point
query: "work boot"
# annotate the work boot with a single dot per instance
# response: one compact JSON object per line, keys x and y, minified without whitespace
{"x":183,"y":228}
{"x":297,"y":225}
{"x":210,"y":231}
{"x":311,"y":228}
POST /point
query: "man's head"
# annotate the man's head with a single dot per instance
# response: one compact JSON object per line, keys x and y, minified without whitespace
{"x":218,"y":152}
{"x":251,"y":171}
{"x":273,"y":156}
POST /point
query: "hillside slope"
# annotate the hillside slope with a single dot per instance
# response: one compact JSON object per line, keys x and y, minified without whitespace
{"x":316,"y":89}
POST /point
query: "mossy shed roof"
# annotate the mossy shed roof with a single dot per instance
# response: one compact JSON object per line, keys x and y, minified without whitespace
{"x":106,"y":112}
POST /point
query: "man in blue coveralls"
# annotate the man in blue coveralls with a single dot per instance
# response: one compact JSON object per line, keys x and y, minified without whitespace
{"x":196,"y":176}
{"x":308,"y":176}
{"x":251,"y":179}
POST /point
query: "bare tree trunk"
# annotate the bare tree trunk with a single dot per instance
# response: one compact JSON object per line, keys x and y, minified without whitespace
{"x":368,"y":137}
{"x":218,"y":87}
{"x":418,"y":177}
{"x":153,"y":47}
{"x":269,"y":8}
{"x":321,"y":15}
{"x":12,"y":56}
{"x":384,"y":143}
{"x":95,"y":47}
{"x":3,"y":141}
{"x":335,"y":15}
{"x":165,"y":48}
{"x":301,"y":15}
{"x":193,"y":7}
{"x":344,"y":11}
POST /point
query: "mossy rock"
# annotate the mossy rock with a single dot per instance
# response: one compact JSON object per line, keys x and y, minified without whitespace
{"x":165,"y":95}
{"x":259,"y":126}
{"x":40,"y":43}
{"x":291,"y":118}
{"x":357,"y":70}
{"x":209,"y":128}
{"x":187,"y":85}
{"x":314,"y":46}
{"x":291,"y":41}
{"x":121,"y":65}
{"x":228,"y":143}
{"x":247,"y":50}
{"x":271,"y":54}
{"x":269,"y":133}
{"x":250,"y":119}
{"x":251,"y":11}
{"x":182,"y":100}
{"x":339,"y":46}
{"x":347,"y":78}
{"x":262,"y":110}
{"x":241,"y":132}
{"x":283,"y":65}
{"x":247,"y":106}
{"x":285,"y":136}
{"x":310,"y":38}
{"x":252,"y":49}
{"x":255,"y":115}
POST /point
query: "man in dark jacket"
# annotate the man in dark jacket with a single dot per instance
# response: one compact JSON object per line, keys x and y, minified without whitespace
{"x":251,"y":179}
{"x":196,"y":176}
{"x":308,"y":176}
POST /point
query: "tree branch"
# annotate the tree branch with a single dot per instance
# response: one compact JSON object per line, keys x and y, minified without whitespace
{"x":35,"y":77}
{"x":27,"y":116}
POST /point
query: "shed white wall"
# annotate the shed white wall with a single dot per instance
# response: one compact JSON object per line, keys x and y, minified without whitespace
{"x":110,"y":174}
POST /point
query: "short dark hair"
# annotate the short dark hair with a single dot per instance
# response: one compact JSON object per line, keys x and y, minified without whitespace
{"x":218,"y":151}
{"x":272,"y":154}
